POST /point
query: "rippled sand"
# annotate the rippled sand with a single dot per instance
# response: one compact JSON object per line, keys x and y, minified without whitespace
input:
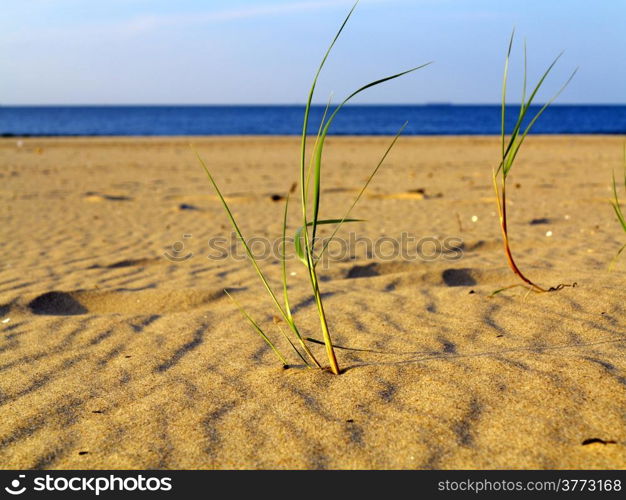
{"x":113,"y":356}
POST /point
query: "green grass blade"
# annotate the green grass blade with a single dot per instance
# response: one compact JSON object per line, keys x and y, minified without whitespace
{"x":616,"y":202}
{"x":625,"y":166}
{"x":292,"y":345}
{"x":319,"y":131}
{"x":525,"y":74}
{"x":542,"y":79}
{"x":284,"y":313}
{"x":283,"y":261}
{"x":304,"y":201}
{"x":258,"y":329}
{"x":535,"y":118}
{"x":289,"y":318}
{"x":617,"y":206}
{"x":511,"y":148}
{"x":620,"y":215}
{"x":504,"y":82}
{"x":307,"y":109}
{"x":614,"y":259}
{"x":523,"y":101}
{"x":506,"y":159}
{"x":235,"y":226}
{"x":356,"y":200}
{"x":307,"y":250}
{"x":320,"y":146}
{"x":300,"y":250}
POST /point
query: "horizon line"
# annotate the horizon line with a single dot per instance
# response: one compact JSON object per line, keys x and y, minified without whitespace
{"x":434,"y":103}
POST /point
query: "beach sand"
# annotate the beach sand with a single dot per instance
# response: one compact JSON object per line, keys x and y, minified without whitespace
{"x":114,"y":356}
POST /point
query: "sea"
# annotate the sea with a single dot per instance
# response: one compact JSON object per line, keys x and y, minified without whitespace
{"x":429,"y":119}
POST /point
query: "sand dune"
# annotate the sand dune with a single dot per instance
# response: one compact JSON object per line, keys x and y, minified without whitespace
{"x":114,"y":356}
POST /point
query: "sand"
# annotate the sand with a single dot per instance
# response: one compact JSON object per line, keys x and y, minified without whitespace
{"x":113,"y":356}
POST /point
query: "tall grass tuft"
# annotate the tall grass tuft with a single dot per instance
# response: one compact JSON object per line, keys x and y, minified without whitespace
{"x":305,"y":237}
{"x":510,"y":149}
{"x":617,"y":207}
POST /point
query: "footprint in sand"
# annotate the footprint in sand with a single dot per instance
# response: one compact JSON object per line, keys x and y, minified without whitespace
{"x":408,"y":274}
{"x":412,"y":194}
{"x":127,"y":263}
{"x":94,"y":197}
{"x":58,"y":303}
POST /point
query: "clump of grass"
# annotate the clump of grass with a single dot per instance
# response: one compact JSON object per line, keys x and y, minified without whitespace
{"x":510,"y":149}
{"x":617,"y":207}
{"x":305,"y":238}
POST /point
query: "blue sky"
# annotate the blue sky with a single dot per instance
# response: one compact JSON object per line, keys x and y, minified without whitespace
{"x":265,"y":51}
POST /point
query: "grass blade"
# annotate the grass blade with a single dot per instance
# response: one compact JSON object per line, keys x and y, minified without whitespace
{"x":617,"y":207}
{"x":319,"y":131}
{"x":300,"y":250}
{"x":306,"y":363}
{"x":307,"y":109}
{"x":320,"y":145}
{"x":614,"y":259}
{"x":258,"y":329}
{"x":511,"y":149}
{"x":535,"y":118}
{"x":616,"y":202}
{"x":284,"y":313}
{"x":504,"y":82}
{"x":235,"y":226}
{"x":304,"y":202}
{"x":288,"y":312}
{"x":524,"y":106}
{"x":283,"y":260}
{"x":356,"y":200}
{"x":306,"y":251}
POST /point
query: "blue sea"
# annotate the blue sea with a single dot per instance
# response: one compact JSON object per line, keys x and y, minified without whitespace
{"x":436,"y":119}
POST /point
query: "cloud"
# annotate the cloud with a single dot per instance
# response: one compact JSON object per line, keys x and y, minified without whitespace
{"x":270,"y":10}
{"x":256,"y":11}
{"x":146,"y":23}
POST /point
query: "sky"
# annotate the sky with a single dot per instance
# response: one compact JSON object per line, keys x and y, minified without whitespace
{"x":266,"y":51}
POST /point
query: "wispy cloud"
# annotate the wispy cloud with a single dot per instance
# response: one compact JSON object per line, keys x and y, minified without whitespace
{"x":271,"y":10}
{"x":256,"y":11}
{"x":145,"y":23}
